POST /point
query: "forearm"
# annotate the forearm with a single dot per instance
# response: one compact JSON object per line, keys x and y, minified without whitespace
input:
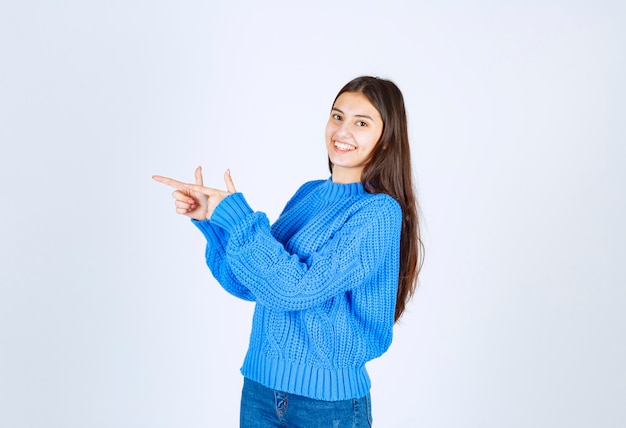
{"x":286,"y":281}
{"x":216,"y":260}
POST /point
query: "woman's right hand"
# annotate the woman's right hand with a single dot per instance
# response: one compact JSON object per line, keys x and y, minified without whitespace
{"x":195,"y":200}
{"x":188,"y":202}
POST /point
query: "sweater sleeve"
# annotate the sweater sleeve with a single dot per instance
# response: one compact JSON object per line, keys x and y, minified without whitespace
{"x":215,"y":259}
{"x":284,"y":281}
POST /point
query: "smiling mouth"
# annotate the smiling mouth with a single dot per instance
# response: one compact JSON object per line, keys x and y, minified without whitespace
{"x":343,"y":147}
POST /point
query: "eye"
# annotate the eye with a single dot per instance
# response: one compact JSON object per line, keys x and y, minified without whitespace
{"x":336,"y":116}
{"x":361,"y":123}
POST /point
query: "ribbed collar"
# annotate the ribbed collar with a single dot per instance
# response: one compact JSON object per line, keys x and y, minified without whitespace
{"x":335,"y":191}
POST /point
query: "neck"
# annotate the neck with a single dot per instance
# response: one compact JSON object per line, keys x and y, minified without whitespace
{"x":346,"y":175}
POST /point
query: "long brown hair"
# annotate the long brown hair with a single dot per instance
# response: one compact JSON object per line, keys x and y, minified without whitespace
{"x":389,"y":171}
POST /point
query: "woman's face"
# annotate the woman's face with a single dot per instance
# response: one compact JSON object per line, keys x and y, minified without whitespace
{"x":352,"y":131}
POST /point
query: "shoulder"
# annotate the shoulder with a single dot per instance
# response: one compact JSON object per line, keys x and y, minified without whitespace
{"x":309,"y":186}
{"x":302,"y":192}
{"x":382,"y":203}
{"x":379,"y":211}
{"x":376,"y":218}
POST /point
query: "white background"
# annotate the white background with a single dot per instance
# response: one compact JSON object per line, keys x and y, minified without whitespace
{"x":517,"y":110}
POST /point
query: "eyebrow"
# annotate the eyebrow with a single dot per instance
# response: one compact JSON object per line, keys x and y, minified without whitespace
{"x":356,"y":115}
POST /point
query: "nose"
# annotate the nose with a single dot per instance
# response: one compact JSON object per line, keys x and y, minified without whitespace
{"x":343,"y":130}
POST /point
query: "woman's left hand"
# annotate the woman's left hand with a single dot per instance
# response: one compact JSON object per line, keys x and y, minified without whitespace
{"x":206,"y":199}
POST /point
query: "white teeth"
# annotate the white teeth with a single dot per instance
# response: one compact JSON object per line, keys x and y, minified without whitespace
{"x":343,"y":146}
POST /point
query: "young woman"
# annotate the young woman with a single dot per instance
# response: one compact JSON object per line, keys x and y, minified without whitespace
{"x":331,"y":276}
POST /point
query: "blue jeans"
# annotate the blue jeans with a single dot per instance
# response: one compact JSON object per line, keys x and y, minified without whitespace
{"x":262,"y":407}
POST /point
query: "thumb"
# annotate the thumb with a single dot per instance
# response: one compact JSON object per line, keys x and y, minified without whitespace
{"x":198,"y":174}
{"x":230,"y":186}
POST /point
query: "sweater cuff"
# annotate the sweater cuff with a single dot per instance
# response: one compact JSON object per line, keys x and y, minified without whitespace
{"x":231,"y":212}
{"x":204,"y":226}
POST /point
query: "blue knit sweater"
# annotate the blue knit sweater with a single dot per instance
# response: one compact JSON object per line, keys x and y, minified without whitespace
{"x":324,"y":278}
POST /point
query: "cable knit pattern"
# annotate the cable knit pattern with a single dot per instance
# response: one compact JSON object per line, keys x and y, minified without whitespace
{"x":324,"y":278}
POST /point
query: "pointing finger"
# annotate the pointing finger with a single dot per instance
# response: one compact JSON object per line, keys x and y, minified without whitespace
{"x":169,"y":182}
{"x":201,"y":189}
{"x":230,"y":186}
